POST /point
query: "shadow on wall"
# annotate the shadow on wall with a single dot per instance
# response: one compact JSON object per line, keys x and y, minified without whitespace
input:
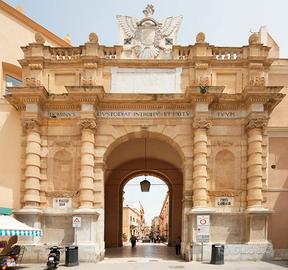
{"x":277,"y":197}
{"x":10,"y":153}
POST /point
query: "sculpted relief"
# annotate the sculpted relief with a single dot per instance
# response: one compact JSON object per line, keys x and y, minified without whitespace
{"x":146,"y":38}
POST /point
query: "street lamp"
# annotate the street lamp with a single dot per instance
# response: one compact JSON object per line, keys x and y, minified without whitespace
{"x":145,"y":184}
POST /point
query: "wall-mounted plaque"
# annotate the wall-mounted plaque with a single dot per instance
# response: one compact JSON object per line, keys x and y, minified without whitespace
{"x":62,"y":202}
{"x":224,"y":201}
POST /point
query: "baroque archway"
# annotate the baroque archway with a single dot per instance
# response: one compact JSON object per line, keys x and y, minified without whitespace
{"x":133,"y":164}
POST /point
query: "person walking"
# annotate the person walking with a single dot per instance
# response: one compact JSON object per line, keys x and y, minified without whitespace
{"x":178,"y":245}
{"x":133,"y":240}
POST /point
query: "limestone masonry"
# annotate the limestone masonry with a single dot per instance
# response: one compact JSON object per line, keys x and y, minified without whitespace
{"x":213,"y":119}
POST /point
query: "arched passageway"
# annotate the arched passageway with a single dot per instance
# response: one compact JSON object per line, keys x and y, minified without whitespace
{"x":128,"y":160}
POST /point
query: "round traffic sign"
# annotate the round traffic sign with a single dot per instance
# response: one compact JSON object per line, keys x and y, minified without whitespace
{"x":202,"y":221}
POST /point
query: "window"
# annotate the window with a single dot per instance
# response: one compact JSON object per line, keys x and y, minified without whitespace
{"x":11,"y":81}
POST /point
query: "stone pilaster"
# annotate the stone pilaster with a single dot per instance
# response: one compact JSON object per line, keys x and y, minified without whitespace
{"x":86,"y":187}
{"x":32,"y":164}
{"x":99,"y":185}
{"x":254,"y":164}
{"x":186,"y":238}
{"x":200,"y":126}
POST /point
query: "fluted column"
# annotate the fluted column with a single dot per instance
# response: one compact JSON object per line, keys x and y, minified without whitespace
{"x":86,"y":187}
{"x":32,"y":163}
{"x":254,"y":164}
{"x":200,"y":126}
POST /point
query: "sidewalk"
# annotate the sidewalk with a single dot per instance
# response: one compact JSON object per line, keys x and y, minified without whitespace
{"x":146,"y":256}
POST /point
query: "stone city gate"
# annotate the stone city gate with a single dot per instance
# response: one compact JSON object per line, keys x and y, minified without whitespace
{"x":205,"y":107}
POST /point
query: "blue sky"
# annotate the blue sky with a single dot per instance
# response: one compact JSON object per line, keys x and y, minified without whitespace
{"x":225,"y":22}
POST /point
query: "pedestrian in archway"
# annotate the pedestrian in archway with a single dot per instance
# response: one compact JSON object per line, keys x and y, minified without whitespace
{"x":178,"y":245}
{"x":133,"y":240}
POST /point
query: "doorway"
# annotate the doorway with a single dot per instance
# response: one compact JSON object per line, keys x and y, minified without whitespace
{"x":127,"y":161}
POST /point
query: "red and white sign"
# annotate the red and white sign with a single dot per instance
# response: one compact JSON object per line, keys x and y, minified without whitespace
{"x":203,"y":228}
{"x":76,"y":222}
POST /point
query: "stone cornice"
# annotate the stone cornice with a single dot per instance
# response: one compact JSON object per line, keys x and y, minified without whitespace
{"x":144,"y":106}
{"x":88,"y":94}
{"x":20,"y":96}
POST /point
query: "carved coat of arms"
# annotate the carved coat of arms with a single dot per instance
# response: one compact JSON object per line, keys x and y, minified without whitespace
{"x":146,"y":38}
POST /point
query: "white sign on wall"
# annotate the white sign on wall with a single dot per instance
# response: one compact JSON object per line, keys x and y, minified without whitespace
{"x":203,"y":228}
{"x":224,"y":201}
{"x":76,"y":222}
{"x":62,"y":202}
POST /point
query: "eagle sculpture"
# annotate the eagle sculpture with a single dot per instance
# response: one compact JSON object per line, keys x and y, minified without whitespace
{"x":147,"y":36}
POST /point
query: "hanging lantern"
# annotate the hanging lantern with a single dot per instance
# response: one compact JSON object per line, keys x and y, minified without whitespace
{"x":145,"y":185}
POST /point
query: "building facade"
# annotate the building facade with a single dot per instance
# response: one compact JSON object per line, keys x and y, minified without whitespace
{"x":132,"y":224}
{"x":164,"y":219}
{"x":16,"y":30}
{"x":210,"y":117}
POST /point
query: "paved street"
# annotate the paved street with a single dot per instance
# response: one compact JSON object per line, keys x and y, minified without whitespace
{"x":158,"y":256}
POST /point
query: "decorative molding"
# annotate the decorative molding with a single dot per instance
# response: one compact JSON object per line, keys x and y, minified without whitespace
{"x":62,"y":193}
{"x":227,"y":193}
{"x":30,"y":123}
{"x":32,"y":82}
{"x":223,"y":143}
{"x":257,"y":123}
{"x":35,"y":66}
{"x":202,"y":66}
{"x":88,"y":124}
{"x":90,"y":65}
{"x":257,"y":81}
{"x":87,"y":81}
{"x":202,"y":123}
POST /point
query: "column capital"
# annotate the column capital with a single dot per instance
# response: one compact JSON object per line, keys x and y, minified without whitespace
{"x":88,"y":124}
{"x":260,"y":122}
{"x":30,"y":124}
{"x":202,"y":123}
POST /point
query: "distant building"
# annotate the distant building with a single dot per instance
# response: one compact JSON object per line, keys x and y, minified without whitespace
{"x":164,"y":219}
{"x":133,"y":222}
{"x":155,"y":226}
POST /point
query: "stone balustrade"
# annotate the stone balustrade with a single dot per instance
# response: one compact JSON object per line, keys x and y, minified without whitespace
{"x":65,"y":54}
{"x":183,"y":53}
{"x":227,"y":53}
{"x":109,"y":52}
{"x":179,"y":52}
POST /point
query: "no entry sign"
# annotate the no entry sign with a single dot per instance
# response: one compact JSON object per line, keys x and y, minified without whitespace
{"x":203,"y":228}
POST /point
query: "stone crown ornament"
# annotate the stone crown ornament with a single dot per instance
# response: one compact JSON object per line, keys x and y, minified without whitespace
{"x":200,"y":38}
{"x":254,"y":39}
{"x":39,"y":39}
{"x":146,"y":38}
{"x":93,"y":38}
